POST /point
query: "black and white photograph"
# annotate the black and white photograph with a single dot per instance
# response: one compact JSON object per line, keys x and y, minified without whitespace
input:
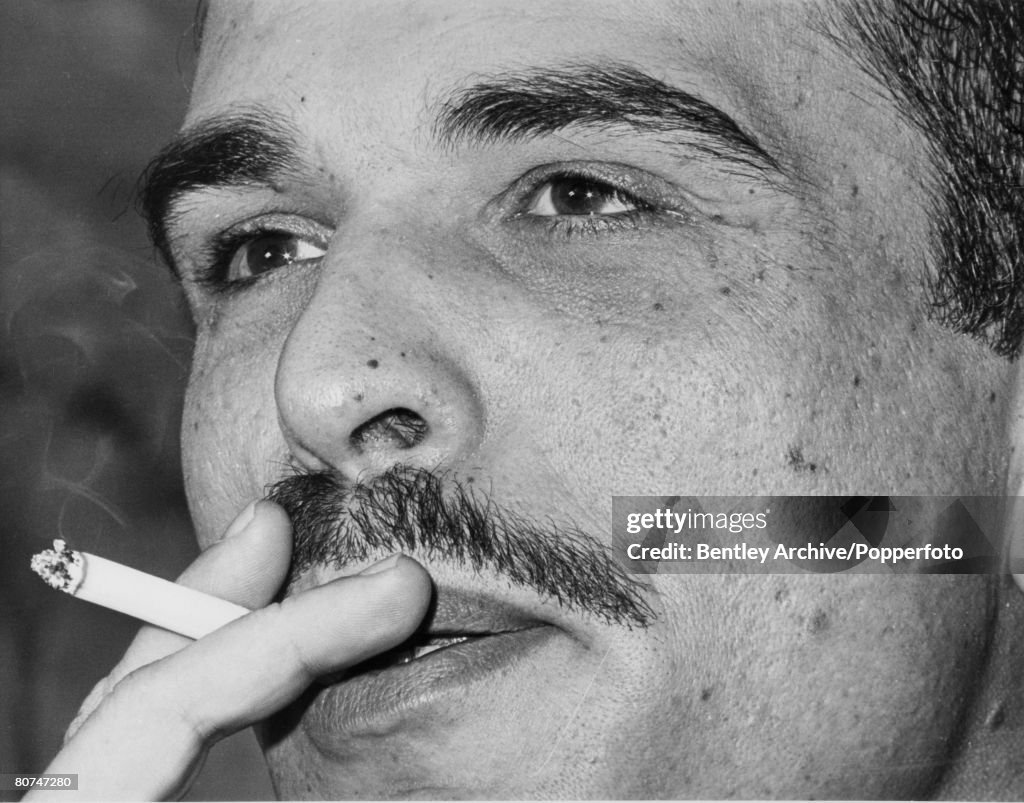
{"x":511,"y":400}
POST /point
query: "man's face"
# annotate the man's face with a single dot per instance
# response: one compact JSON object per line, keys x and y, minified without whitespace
{"x":567,"y":252}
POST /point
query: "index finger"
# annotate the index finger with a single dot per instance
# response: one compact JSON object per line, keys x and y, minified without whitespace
{"x":247,"y":567}
{"x":160,"y":719}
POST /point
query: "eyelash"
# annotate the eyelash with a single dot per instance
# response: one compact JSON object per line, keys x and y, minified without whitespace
{"x":570,"y":226}
{"x":591,"y":225}
{"x":214,"y":267}
{"x":213,"y":270}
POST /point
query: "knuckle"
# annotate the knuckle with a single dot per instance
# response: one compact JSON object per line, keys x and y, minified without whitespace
{"x":92,"y":701}
{"x":296,"y":652}
{"x":139,"y":697}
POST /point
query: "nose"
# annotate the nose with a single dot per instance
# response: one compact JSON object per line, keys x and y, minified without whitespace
{"x":367,"y":379}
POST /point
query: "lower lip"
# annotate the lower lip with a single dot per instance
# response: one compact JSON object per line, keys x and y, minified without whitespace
{"x":382,"y":700}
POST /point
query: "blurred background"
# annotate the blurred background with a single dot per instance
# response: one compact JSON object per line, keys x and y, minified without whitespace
{"x":94,"y":349}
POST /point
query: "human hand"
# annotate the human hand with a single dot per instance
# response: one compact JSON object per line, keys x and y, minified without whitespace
{"x":145,"y":729}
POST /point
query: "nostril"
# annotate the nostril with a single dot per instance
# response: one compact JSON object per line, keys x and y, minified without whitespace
{"x":397,"y":428}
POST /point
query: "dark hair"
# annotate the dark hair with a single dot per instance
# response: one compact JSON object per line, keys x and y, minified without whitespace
{"x":956,"y":70}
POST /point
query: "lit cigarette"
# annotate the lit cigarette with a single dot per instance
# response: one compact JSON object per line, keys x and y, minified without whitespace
{"x":152,"y":599}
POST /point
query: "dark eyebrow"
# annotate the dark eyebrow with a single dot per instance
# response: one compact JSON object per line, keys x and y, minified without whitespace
{"x":237,"y":149}
{"x":520,"y":105}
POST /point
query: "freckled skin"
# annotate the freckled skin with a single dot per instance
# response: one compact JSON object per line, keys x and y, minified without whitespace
{"x":773,"y":343}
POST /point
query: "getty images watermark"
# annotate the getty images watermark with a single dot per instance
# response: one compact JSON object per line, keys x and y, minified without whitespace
{"x":799,"y":534}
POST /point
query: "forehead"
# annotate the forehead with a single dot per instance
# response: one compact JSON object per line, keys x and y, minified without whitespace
{"x":769,"y":64}
{"x":459,"y":34}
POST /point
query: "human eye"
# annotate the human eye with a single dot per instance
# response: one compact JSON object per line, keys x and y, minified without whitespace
{"x":243,"y":254}
{"x":577,"y":201}
{"x":574,"y":195}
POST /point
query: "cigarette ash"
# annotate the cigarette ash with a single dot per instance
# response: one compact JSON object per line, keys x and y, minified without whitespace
{"x":61,"y":567}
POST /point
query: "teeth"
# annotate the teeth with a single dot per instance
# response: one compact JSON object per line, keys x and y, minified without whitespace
{"x":431,"y":646}
{"x":406,"y":656}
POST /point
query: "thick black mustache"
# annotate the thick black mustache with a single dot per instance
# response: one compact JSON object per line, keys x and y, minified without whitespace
{"x":415,"y":511}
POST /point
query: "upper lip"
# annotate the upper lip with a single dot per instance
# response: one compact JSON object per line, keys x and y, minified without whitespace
{"x":469,"y":612}
{"x":457,"y":615}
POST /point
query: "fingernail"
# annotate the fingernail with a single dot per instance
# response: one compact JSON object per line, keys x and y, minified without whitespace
{"x":383,"y":565}
{"x":242,"y":520}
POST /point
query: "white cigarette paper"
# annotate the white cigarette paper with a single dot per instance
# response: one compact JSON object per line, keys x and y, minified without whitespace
{"x":121,"y":588}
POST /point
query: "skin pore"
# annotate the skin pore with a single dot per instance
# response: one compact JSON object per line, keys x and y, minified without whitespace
{"x":744,"y":284}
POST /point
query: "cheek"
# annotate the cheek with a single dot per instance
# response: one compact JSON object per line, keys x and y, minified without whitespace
{"x":676,"y":412}
{"x":854,"y":684}
{"x":816,"y":376}
{"x":231,"y":443}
